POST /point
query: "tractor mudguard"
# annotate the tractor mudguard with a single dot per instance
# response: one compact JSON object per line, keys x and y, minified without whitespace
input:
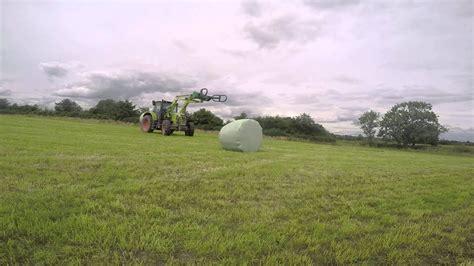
{"x":153,"y":115}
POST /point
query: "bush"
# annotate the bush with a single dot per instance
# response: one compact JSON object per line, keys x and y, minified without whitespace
{"x":323,"y":138}
{"x":463,"y":149}
{"x":411,"y":123}
{"x":206,"y":120}
{"x":299,"y":127}
{"x":275,"y":132}
{"x":110,"y":109}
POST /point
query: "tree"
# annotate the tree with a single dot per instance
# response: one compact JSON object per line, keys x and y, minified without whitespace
{"x":369,"y":121}
{"x":206,"y":120}
{"x":125,"y":110}
{"x":67,"y":106}
{"x":110,"y":109}
{"x":305,"y":125}
{"x":104,"y":109}
{"x":4,"y":103}
{"x":275,"y":122}
{"x":410,"y":123}
{"x":302,"y":126}
{"x":24,"y":109}
{"x":242,"y":115}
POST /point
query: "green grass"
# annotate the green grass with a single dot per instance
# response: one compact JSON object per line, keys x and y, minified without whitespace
{"x":89,"y":192}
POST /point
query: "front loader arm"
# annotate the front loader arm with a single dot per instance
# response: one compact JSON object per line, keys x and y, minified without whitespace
{"x":195,"y":97}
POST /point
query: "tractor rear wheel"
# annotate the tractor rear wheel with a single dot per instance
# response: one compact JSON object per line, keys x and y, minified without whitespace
{"x":166,"y":128}
{"x":146,"y":124}
{"x":190,"y":129}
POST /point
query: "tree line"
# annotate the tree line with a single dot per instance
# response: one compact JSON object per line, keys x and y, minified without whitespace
{"x":298,"y":127}
{"x":105,"y":109}
{"x":407,"y":123}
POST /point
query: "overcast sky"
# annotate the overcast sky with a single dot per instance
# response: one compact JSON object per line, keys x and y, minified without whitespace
{"x":331,"y":59}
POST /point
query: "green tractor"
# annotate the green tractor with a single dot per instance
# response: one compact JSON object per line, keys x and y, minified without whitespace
{"x":164,"y":115}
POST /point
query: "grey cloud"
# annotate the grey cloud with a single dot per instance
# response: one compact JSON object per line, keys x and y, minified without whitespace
{"x":284,"y":29}
{"x":330,"y":4}
{"x":421,"y":93}
{"x":383,"y":95}
{"x":58,"y":69}
{"x":465,"y":9}
{"x":347,"y":80}
{"x":310,"y":98}
{"x":319,"y":98}
{"x":5,"y":92}
{"x":237,"y":102}
{"x":341,"y":118}
{"x":465,"y":80}
{"x":460,"y":134}
{"x":262,"y":37}
{"x":236,"y":53}
{"x":184,"y":46}
{"x":413,"y":41}
{"x":254,"y":99}
{"x":352,"y":118}
{"x":412,"y":65}
{"x":242,"y":99}
{"x":44,"y":102}
{"x":229,"y":113}
{"x":347,"y":114}
{"x":351,"y":114}
{"x":123,"y":85}
{"x":251,"y":8}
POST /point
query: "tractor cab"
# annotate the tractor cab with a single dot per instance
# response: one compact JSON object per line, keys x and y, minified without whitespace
{"x":159,"y":108}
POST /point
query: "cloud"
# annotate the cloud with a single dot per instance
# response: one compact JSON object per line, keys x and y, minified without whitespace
{"x":184,"y":46}
{"x":459,"y":134}
{"x":293,"y":52}
{"x":305,"y":98}
{"x":347,"y":79}
{"x":283,"y":29}
{"x":330,"y":4}
{"x":252,"y":103}
{"x":256,"y":99}
{"x":464,"y":8}
{"x":5,"y":92}
{"x":229,"y":113}
{"x":354,"y":118}
{"x":344,"y":114}
{"x":124,"y":84}
{"x":463,"y":80}
{"x":58,"y":69}
{"x":236,"y":53}
{"x":379,"y":96}
{"x":429,"y":94}
{"x":251,"y":8}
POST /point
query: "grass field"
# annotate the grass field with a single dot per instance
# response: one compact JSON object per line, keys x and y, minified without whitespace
{"x":83,"y":191}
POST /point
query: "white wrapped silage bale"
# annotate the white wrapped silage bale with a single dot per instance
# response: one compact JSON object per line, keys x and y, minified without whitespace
{"x":241,"y":135}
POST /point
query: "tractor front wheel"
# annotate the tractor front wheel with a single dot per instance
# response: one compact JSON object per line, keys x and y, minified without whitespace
{"x":166,"y":128}
{"x":190,"y":129}
{"x":146,"y":124}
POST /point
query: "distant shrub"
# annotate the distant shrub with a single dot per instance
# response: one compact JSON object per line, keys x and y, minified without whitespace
{"x":275,"y":132}
{"x":325,"y":139}
{"x":206,"y":120}
{"x":133,"y":119}
{"x":301,"y":127}
{"x":463,"y":149}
